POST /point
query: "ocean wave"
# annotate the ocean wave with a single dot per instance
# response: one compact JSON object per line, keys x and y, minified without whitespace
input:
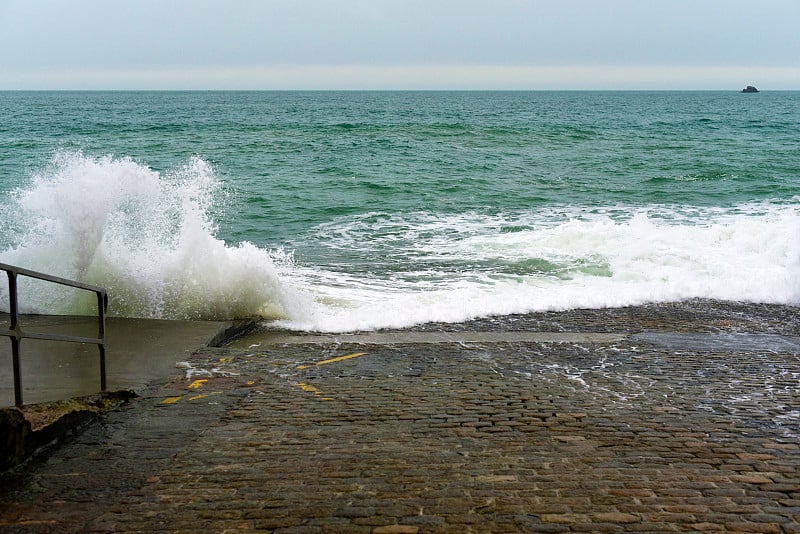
{"x":150,"y":238}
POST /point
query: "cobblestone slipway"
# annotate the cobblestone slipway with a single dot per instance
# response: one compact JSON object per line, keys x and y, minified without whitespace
{"x":694,"y":430}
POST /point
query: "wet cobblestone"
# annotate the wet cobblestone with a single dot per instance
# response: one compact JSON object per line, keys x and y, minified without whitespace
{"x":400,"y":438}
{"x":696,"y":315}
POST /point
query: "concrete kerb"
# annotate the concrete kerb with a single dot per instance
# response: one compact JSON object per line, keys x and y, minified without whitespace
{"x":31,"y":430}
{"x":232,"y":330}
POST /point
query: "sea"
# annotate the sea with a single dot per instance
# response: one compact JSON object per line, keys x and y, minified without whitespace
{"x":346,"y":211}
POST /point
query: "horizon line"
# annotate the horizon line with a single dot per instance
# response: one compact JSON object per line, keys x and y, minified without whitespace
{"x":410,"y":77}
{"x":382,"y":90}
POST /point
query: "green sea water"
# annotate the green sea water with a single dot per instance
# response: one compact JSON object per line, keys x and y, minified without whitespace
{"x":344,"y":210}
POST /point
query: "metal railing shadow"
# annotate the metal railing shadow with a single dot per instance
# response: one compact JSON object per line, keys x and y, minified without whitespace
{"x":16,"y":334}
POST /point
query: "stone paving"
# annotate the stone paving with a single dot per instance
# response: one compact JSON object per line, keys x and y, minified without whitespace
{"x":607,"y":434}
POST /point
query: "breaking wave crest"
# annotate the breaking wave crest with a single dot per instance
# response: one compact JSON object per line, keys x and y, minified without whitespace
{"x":147,"y":237}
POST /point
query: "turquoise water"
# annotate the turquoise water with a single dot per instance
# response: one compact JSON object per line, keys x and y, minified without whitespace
{"x":347,"y":210}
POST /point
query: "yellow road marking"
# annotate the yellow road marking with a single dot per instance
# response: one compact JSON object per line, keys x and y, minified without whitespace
{"x":309,"y":388}
{"x":334,"y":360}
{"x":198,"y":383}
{"x":196,"y":397}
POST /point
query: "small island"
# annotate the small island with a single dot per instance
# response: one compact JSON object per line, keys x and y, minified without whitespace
{"x":749,"y":89}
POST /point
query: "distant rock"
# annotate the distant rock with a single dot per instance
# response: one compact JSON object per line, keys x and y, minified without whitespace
{"x":749,"y":89}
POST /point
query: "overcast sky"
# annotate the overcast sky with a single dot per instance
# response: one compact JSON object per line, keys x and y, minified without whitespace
{"x":399,"y":44}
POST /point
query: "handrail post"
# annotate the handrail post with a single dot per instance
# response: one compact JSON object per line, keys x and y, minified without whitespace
{"x":13,"y":307}
{"x":17,"y":374}
{"x":102,"y":308}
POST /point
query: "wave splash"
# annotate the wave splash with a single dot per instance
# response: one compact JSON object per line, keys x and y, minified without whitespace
{"x":147,"y":237}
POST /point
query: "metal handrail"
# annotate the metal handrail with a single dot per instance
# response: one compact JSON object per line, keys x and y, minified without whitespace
{"x":17,"y":334}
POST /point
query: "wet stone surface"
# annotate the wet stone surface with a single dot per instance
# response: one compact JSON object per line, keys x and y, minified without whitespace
{"x":688,"y":316}
{"x":627,"y":436}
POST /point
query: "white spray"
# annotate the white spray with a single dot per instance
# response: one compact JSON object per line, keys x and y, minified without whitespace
{"x":146,"y":237}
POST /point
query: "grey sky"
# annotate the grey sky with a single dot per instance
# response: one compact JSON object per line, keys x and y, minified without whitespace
{"x":384,"y":44}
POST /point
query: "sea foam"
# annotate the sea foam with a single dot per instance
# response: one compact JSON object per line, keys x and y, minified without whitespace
{"x":457,"y":267}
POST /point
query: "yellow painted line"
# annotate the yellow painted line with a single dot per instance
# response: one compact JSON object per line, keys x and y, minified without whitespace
{"x":334,"y":360}
{"x":308,"y":388}
{"x":171,"y":400}
{"x":198,"y":383}
{"x":311,"y":389}
{"x":197,"y":397}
